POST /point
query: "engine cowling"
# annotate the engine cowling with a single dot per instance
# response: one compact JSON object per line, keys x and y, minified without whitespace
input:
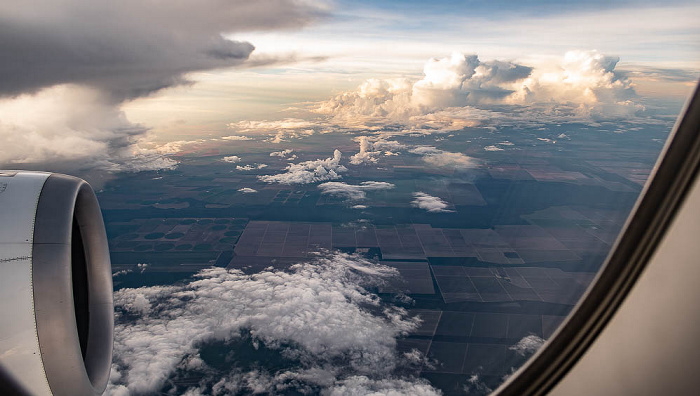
{"x":56,"y":312}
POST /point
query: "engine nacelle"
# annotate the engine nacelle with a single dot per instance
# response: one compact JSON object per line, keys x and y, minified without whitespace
{"x":56,"y":313}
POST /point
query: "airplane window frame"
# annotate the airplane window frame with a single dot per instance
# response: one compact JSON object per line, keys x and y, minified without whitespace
{"x":670,"y":181}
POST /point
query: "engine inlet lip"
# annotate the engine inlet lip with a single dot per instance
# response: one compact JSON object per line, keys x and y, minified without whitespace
{"x":72,"y":272}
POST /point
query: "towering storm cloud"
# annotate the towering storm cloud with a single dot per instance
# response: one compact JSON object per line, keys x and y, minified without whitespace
{"x":462,"y":91}
{"x":132,"y":47}
{"x":69,"y":65}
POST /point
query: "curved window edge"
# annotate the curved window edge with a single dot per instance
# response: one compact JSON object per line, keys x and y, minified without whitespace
{"x":663,"y":194}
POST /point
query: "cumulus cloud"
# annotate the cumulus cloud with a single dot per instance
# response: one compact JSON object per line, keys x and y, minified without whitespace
{"x":236,"y":137}
{"x":528,"y":345}
{"x":74,"y":66}
{"x":360,"y":385}
{"x":353,"y":192}
{"x":448,"y":82}
{"x":366,"y":154}
{"x":282,"y":153}
{"x":463,"y":91}
{"x":309,"y":171}
{"x":232,"y":159}
{"x":321,"y":314}
{"x":585,"y":81}
{"x":282,"y":130}
{"x":389,"y":145}
{"x":372,"y":147}
{"x":441,"y":158}
{"x":428,"y":202}
{"x":250,"y":167}
{"x":176,"y":146}
{"x":247,"y":190}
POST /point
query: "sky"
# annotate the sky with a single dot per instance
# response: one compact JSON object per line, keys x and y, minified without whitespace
{"x":108,"y":86}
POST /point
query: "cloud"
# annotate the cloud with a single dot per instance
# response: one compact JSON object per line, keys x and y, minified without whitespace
{"x":429,"y":203}
{"x":360,"y":385}
{"x":319,"y":314}
{"x":247,"y":190}
{"x":441,"y":158}
{"x":475,"y":385}
{"x":232,"y":159}
{"x":390,"y":145}
{"x":353,"y":192}
{"x":371,"y":147}
{"x":462,"y":91}
{"x":527,"y":345}
{"x":74,"y":128}
{"x":282,"y":153}
{"x":309,"y":171}
{"x":133,"y":49}
{"x":288,"y":128}
{"x":236,"y":137}
{"x":175,"y":146}
{"x":447,"y":82}
{"x":366,"y":154}
{"x":267,"y":126}
{"x":493,"y":147}
{"x":250,"y":167}
{"x":586,"y":82}
{"x":67,"y":69}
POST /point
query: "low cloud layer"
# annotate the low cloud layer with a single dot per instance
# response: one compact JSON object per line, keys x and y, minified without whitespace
{"x":441,"y":158}
{"x":309,"y":171}
{"x":236,"y":137}
{"x":321,"y":314}
{"x":353,"y":192}
{"x":279,"y":131}
{"x":428,"y":202}
{"x":232,"y":159}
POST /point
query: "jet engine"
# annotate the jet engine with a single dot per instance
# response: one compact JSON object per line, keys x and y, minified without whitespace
{"x":56,"y":313}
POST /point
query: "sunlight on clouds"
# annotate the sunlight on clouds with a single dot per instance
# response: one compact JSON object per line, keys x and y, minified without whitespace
{"x":460,"y":91}
{"x":288,"y":128}
{"x":309,"y":171}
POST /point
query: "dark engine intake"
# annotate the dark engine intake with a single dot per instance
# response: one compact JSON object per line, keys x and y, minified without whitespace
{"x":55,"y":287}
